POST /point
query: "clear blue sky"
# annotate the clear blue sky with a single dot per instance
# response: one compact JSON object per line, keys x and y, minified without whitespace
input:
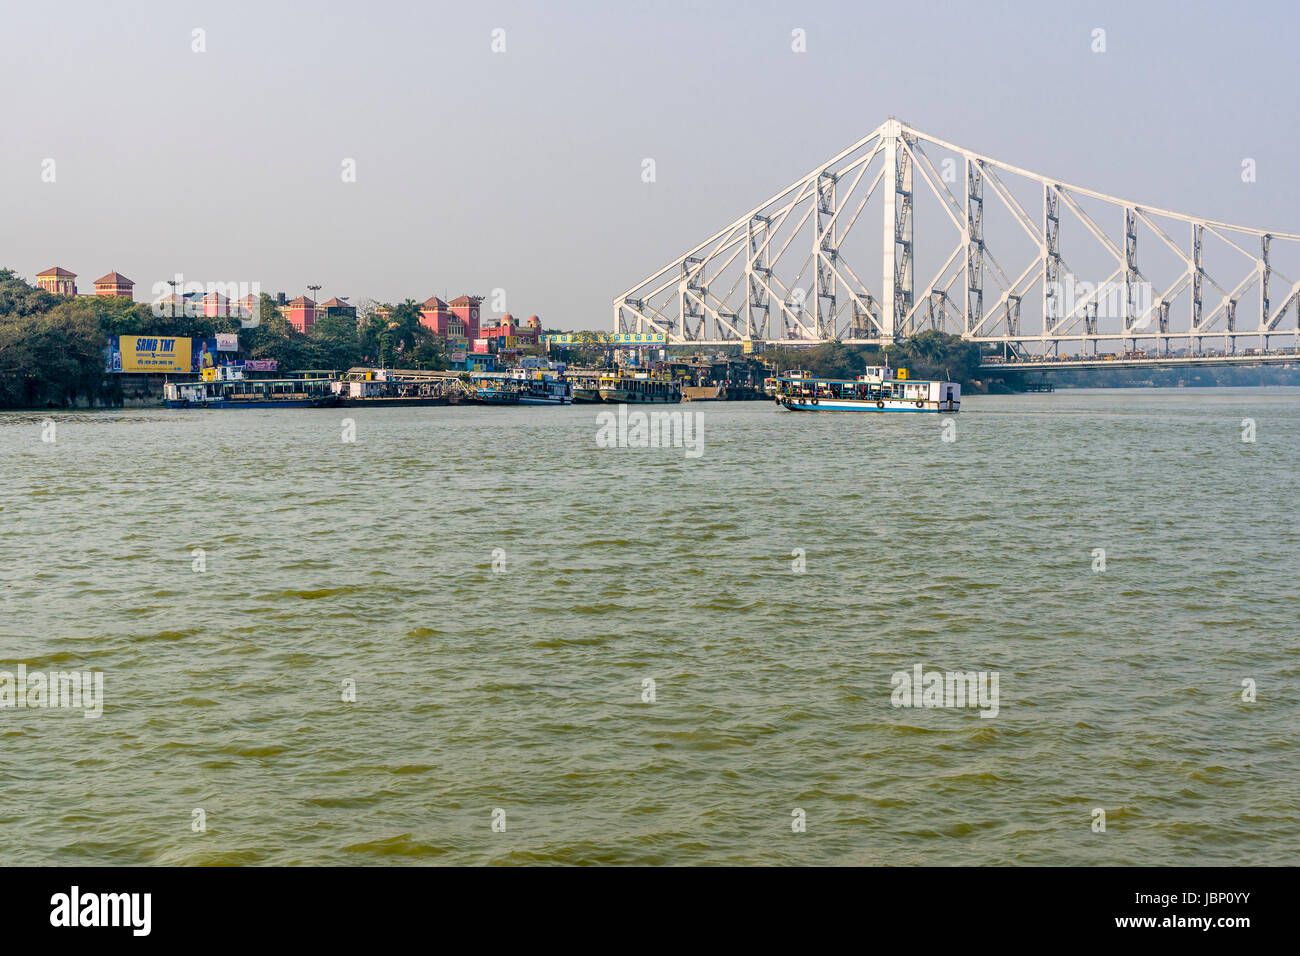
{"x":522,"y":170}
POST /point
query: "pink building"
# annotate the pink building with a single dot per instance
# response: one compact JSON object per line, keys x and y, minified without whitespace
{"x":457,"y":320}
{"x":248,"y":306}
{"x":302,"y":314}
{"x":528,"y":334}
{"x":215,"y":306}
{"x":465,"y":308}
{"x":436,"y":316}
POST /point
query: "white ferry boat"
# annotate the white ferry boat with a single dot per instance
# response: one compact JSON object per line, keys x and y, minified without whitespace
{"x":877,"y":390}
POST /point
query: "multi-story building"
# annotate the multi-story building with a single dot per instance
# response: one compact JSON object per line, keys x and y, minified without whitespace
{"x":529,"y":334}
{"x":456,"y":323}
{"x":216,"y":306}
{"x":465,"y":308}
{"x":301,"y":313}
{"x":435,"y":315}
{"x":57,"y":280}
{"x":115,"y":284}
{"x":248,"y":306}
{"x":337,"y":306}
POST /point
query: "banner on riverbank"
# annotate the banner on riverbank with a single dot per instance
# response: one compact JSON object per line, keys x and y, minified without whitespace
{"x":227,"y":342}
{"x":617,"y":339}
{"x":205,"y":354}
{"x":149,"y":353}
{"x":159,"y":353}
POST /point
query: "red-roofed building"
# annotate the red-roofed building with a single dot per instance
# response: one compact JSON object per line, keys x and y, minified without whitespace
{"x":115,"y":284}
{"x":170,"y":306}
{"x":57,"y":280}
{"x":215,"y":306}
{"x":337,"y":306}
{"x":437,"y":317}
{"x":248,"y":306}
{"x":509,"y":328}
{"x":302,"y":314}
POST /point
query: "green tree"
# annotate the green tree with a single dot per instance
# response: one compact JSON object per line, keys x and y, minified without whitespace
{"x":333,"y":343}
{"x":53,"y":357}
{"x":937,"y":355}
{"x":19,"y":298}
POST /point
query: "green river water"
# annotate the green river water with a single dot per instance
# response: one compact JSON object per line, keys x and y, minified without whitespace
{"x":500,"y":591}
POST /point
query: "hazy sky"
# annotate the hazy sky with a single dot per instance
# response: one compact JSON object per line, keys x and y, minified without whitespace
{"x":521,"y":170}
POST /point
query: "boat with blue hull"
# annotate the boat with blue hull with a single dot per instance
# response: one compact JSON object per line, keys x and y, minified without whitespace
{"x":541,"y":388}
{"x":878,"y":390}
{"x":494,"y":390}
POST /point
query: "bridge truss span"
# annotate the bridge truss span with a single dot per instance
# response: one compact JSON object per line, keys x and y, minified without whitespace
{"x":904,"y":232}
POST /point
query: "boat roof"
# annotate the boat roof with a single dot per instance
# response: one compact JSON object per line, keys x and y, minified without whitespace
{"x":805,"y":378}
{"x":253,"y":381}
{"x":853,"y":381}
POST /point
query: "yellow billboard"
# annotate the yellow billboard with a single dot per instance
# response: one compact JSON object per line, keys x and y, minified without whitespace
{"x":154,"y":353}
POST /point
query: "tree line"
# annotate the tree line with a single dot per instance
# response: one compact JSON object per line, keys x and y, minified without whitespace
{"x":927,"y":355}
{"x":52,"y":346}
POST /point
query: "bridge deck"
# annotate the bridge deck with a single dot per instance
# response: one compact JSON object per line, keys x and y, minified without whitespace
{"x":1172,"y":361}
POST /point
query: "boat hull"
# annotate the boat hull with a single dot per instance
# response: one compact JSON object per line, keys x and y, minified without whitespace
{"x":382,"y":402}
{"x":617,"y":396}
{"x":868,"y":405}
{"x":291,"y":403}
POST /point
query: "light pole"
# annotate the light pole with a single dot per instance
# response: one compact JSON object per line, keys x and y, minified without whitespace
{"x":315,"y":302}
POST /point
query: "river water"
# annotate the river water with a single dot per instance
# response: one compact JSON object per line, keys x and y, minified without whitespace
{"x":568,"y":653}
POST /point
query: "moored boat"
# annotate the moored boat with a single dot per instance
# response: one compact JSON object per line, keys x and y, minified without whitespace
{"x":875,"y":391}
{"x":228,"y":388}
{"x":586,"y":388}
{"x":494,"y":391}
{"x":381,"y":391}
{"x":541,"y":388}
{"x":639,"y":388}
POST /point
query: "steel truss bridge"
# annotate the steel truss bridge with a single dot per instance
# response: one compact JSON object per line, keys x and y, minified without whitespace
{"x":792,"y":271}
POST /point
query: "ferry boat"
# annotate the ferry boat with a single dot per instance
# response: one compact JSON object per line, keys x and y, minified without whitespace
{"x":495,"y":391}
{"x":541,"y":388}
{"x":770,"y":383}
{"x":380,"y":389}
{"x":639,"y":388}
{"x":586,"y":389}
{"x":875,"y":391}
{"x":228,"y":388}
